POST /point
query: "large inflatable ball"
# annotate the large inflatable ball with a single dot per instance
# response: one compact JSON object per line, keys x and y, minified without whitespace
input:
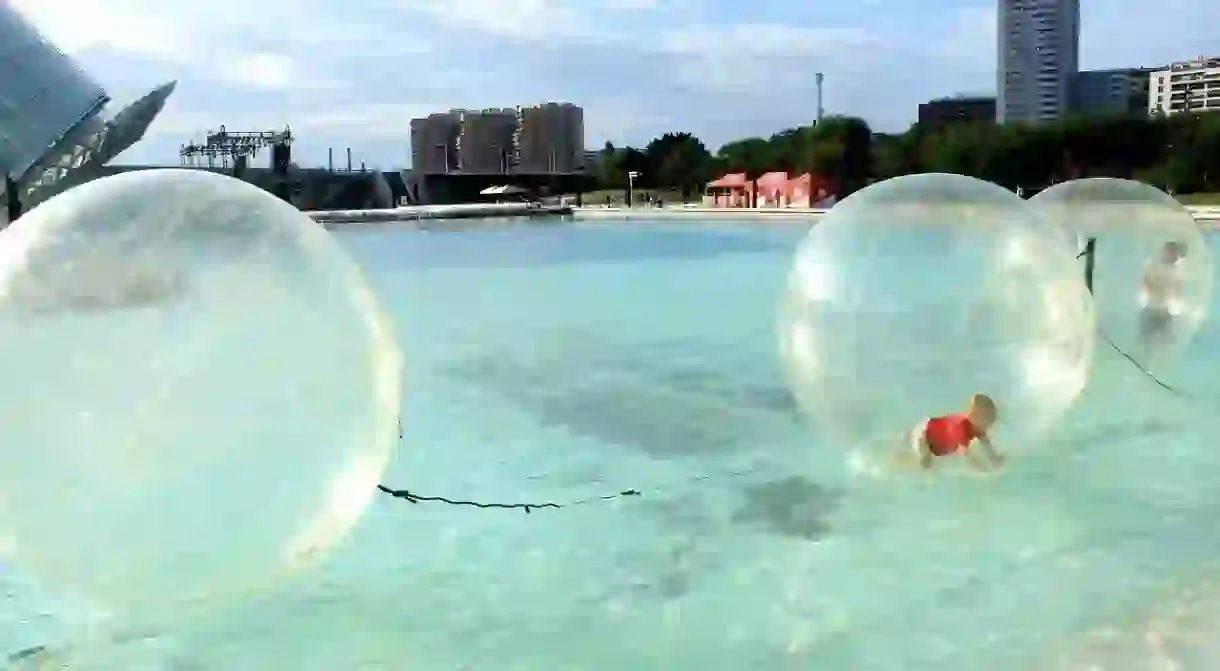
{"x":917,"y":293}
{"x":1148,"y":264}
{"x":201,"y":391}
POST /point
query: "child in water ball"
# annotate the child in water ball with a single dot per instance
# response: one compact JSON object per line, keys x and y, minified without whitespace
{"x":956,"y":433}
{"x":1160,"y":297}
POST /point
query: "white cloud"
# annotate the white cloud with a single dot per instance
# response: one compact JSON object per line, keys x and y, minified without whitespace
{"x":191,"y":32}
{"x":763,"y":39}
{"x":971,"y":34}
{"x":630,"y":5}
{"x":121,"y":26}
{"x":530,"y":20}
{"x":507,"y":18}
{"x":262,"y":70}
{"x":374,"y":120}
{"x":752,"y":59}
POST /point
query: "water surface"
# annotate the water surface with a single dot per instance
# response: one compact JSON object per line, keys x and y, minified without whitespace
{"x":561,"y":363}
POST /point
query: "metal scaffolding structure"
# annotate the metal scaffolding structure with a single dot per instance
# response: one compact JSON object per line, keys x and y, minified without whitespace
{"x":229,"y":148}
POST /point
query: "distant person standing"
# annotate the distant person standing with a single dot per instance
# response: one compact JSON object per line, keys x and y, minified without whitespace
{"x":1160,"y":298}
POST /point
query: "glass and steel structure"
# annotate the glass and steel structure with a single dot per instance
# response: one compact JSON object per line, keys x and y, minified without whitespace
{"x":43,"y":94}
{"x":53,"y":130}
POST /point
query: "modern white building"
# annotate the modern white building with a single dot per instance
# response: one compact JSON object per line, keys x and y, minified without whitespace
{"x":1186,"y":86}
{"x":1038,"y":58}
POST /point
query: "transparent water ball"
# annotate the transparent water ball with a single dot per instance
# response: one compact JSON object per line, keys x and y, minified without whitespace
{"x":1152,"y":269}
{"x":202,"y":392}
{"x":917,"y":292}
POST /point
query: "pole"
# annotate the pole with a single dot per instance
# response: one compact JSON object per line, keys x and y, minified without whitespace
{"x":349,"y":159}
{"x":330,"y":159}
{"x":817,"y":78}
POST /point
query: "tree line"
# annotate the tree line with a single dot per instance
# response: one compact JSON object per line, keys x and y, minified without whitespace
{"x":1179,"y":153}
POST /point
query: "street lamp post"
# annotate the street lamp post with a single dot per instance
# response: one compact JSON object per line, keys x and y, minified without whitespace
{"x":631,"y":175}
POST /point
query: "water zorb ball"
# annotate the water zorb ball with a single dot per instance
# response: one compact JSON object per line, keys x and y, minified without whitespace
{"x":916,"y":292}
{"x":201,"y":391}
{"x":1152,"y":269}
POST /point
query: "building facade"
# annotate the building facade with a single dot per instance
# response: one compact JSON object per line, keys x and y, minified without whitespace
{"x":485,"y":141}
{"x":1038,"y":58}
{"x":542,"y":139}
{"x":1111,"y":92}
{"x":1187,"y":86}
{"x":434,"y":143}
{"x":937,"y":114}
{"x":550,"y":138}
{"x":53,"y":127}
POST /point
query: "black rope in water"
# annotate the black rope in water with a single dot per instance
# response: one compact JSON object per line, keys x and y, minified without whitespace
{"x":527,"y":507}
{"x":1089,"y":254}
{"x":1151,"y":376}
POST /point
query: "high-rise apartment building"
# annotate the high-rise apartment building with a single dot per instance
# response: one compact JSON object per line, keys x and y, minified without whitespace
{"x":550,"y":138}
{"x":1039,"y":55}
{"x":485,"y":140}
{"x":434,"y":146}
{"x":1187,"y":86}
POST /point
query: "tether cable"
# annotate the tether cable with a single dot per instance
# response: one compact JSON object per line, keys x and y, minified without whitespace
{"x":1089,"y":254}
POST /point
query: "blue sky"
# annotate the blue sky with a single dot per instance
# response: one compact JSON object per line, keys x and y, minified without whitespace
{"x":353,"y":72}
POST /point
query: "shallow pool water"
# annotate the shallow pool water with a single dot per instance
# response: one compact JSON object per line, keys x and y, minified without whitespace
{"x":561,"y":363}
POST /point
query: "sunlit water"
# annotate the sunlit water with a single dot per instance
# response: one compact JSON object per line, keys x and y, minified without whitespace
{"x":561,"y":363}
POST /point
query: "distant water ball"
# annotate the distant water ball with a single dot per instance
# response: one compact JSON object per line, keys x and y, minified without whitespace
{"x":916,"y":292}
{"x":202,"y":391}
{"x":1152,"y":269}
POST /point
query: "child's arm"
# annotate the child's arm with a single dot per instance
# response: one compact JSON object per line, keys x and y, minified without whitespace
{"x":973,"y":461}
{"x":989,"y":451}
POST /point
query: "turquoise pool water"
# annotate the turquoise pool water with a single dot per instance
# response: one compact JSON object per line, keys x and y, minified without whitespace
{"x":562,"y":363}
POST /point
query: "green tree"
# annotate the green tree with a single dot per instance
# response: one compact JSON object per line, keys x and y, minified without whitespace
{"x":679,"y":161}
{"x":853,"y":134}
{"x":608,"y":171}
{"x":1180,"y":152}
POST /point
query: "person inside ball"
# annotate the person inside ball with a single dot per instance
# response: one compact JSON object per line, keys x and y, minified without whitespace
{"x":1160,"y":297}
{"x":963,"y":433}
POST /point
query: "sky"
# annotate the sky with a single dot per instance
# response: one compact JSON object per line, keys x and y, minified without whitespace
{"x":352,"y":73}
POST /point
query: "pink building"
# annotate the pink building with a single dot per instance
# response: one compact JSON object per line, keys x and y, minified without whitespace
{"x":775,"y":189}
{"x":732,"y":190}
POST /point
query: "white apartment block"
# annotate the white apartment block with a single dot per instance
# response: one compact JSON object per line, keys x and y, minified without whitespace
{"x":1187,"y":86}
{"x":1039,"y":56}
